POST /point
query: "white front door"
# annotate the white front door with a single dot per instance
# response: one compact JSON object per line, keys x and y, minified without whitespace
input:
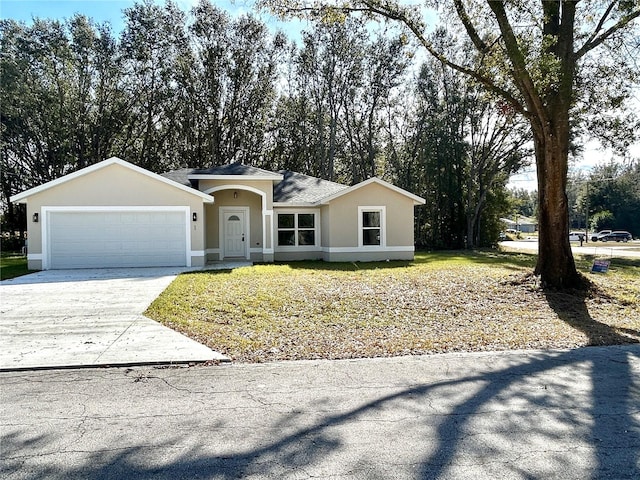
{"x":235,"y":235}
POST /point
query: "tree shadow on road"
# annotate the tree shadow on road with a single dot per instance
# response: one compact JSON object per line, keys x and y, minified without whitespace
{"x":607,"y":420}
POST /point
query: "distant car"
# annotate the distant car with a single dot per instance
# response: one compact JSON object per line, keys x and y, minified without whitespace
{"x":502,"y":236}
{"x":617,"y":236}
{"x":576,"y":236}
{"x":598,"y":236}
{"x":511,"y":230}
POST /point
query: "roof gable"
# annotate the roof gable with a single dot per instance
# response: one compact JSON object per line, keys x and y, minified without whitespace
{"x":416,"y":199}
{"x":99,"y":166}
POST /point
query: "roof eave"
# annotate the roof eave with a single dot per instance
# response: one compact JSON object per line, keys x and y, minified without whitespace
{"x":416,"y":199}
{"x":23,"y":196}
{"x":294,"y":204}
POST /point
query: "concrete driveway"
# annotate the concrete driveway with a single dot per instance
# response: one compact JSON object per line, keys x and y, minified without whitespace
{"x":73,"y":318}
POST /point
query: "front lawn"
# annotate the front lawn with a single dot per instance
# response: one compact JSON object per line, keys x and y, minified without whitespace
{"x":442,"y":302}
{"x":12,"y":266}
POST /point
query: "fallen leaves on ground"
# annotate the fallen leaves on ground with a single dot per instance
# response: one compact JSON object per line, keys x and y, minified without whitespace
{"x":474,"y":303}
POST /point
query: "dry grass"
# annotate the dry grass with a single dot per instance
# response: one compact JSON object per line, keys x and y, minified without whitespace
{"x":440,"y":303}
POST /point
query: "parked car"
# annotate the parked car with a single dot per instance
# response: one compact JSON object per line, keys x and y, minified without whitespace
{"x":617,"y":236}
{"x":598,"y":236}
{"x":576,"y":236}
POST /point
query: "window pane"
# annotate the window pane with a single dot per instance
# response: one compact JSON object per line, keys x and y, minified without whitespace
{"x":306,"y":237}
{"x":370,"y":219}
{"x":306,"y":220}
{"x":371,"y":236}
{"x":285,"y":220}
{"x":286,"y":237}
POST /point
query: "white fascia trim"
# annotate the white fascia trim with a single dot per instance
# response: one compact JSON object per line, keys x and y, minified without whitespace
{"x":409,"y":248}
{"x":105,"y":163}
{"x":201,"y":176}
{"x":416,"y":199}
{"x":261,"y":250}
{"x":291,"y":209}
{"x":45,"y":211}
{"x":247,"y":188}
{"x":295,"y":205}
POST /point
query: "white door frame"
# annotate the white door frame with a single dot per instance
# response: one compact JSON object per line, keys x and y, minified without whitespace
{"x":222,"y":224}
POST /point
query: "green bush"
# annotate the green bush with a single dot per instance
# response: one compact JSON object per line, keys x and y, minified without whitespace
{"x":11,"y":244}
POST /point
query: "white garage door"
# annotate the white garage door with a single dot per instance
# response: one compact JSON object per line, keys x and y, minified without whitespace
{"x":123,"y":238}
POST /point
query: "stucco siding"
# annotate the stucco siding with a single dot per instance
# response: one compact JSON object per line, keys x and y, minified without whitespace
{"x":297,"y":256}
{"x":343,"y":212}
{"x":117,"y":186}
{"x":368,"y":256}
{"x":325,"y":221}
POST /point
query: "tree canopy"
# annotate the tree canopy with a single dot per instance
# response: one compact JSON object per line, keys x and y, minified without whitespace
{"x":199,"y":88}
{"x":549,"y":61}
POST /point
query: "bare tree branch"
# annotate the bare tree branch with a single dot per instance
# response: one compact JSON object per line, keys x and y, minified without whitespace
{"x":595,"y":41}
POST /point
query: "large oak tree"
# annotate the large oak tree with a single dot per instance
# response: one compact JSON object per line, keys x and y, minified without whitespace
{"x":534,"y":55}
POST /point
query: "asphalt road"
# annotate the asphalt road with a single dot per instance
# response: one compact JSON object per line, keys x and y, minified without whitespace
{"x":517,"y":415}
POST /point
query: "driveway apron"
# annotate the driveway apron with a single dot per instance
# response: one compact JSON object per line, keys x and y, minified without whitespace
{"x":74,"y":318}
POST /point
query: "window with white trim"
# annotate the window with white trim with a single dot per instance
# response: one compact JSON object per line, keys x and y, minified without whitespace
{"x":297,"y":229}
{"x":371,"y":226}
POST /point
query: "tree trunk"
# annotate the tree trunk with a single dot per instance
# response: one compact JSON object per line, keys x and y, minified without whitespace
{"x":555,"y":265}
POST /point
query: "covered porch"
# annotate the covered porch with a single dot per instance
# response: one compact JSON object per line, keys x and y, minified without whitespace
{"x":239,"y":225}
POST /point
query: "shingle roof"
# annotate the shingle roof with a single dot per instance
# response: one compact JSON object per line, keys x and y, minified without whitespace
{"x":295,"y":188}
{"x":299,"y":188}
{"x":181,"y":176}
{"x":234,"y":169}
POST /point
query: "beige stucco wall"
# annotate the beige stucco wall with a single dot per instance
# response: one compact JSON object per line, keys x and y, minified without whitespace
{"x":339,"y":227}
{"x":114,"y":185}
{"x":325,"y":221}
{"x":342,"y":218}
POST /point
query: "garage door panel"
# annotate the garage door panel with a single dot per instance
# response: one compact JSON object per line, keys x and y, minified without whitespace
{"x":85,"y":239}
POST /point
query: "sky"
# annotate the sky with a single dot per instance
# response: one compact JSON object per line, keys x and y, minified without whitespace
{"x":111,"y":11}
